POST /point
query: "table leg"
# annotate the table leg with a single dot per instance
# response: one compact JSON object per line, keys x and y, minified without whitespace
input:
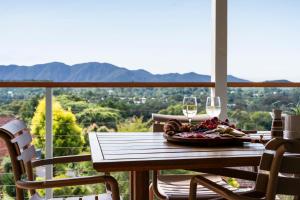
{"x":140,"y":185}
{"x":131,"y":180}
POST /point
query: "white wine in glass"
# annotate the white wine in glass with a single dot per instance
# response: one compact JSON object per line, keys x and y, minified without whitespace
{"x":189,"y":107}
{"x":213,"y":106}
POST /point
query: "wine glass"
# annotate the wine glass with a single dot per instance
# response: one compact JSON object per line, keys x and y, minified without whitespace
{"x":213,"y":106}
{"x":189,"y":108}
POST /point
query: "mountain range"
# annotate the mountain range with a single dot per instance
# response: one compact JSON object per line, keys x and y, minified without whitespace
{"x":95,"y":72}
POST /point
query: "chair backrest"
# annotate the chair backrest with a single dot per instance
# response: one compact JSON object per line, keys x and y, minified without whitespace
{"x":18,"y":141}
{"x":160,"y":119}
{"x":279,"y":168}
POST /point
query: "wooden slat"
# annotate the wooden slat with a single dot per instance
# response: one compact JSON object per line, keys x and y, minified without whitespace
{"x":287,"y":185}
{"x":206,"y":155}
{"x":96,"y":151}
{"x":27,"y":154}
{"x":133,"y":140}
{"x":289,"y":164}
{"x":158,"y":128}
{"x":158,"y":144}
{"x":120,"y":134}
{"x":137,"y":138}
{"x":266,"y":161}
{"x":14,"y":126}
{"x":171,"y":150}
{"x":23,"y":139}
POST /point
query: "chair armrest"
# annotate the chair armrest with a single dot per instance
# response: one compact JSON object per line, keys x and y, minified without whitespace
{"x":24,"y":184}
{"x":230,"y":172}
{"x":61,"y":159}
{"x":225,"y":193}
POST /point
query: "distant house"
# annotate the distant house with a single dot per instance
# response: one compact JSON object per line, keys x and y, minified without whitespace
{"x":3,"y":149}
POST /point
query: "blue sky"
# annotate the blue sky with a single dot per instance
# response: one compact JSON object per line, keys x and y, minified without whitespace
{"x":157,"y":35}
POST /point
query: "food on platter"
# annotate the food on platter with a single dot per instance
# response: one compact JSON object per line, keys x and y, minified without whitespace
{"x":210,"y":129}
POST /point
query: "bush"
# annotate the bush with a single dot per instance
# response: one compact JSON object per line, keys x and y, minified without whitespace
{"x":172,"y":110}
{"x":66,"y":132}
{"x":7,"y":179}
{"x":100,"y":116}
{"x":134,"y":124}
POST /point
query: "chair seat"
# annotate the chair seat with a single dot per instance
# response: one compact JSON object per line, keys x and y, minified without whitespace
{"x":177,"y":187}
{"x":105,"y":196}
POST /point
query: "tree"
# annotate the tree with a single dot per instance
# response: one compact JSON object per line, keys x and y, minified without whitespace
{"x":66,"y":132}
{"x":99,"y":115}
{"x":27,"y":109}
{"x":263,"y":120}
{"x":134,"y":124}
{"x":172,"y":110}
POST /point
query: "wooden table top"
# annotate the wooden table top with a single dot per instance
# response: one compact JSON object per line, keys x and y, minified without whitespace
{"x":150,"y":151}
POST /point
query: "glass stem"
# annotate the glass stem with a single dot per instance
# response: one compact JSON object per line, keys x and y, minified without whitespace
{"x":190,"y":121}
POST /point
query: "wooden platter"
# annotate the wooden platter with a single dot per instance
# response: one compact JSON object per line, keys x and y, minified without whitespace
{"x":222,"y":141}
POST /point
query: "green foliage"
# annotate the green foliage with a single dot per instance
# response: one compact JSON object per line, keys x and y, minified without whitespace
{"x":7,"y":179}
{"x":27,"y":108}
{"x":258,"y":120}
{"x":295,"y":110}
{"x":262,"y":120}
{"x":6,"y":165}
{"x":99,"y":115}
{"x":134,"y":124}
{"x":66,"y":133}
{"x":172,"y":110}
{"x":72,"y":103}
{"x":95,"y":128}
{"x":20,"y":109}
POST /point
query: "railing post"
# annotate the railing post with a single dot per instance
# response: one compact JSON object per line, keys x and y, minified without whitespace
{"x":49,"y":139}
{"x":219,"y":53}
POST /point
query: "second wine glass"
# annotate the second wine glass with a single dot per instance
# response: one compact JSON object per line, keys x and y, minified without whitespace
{"x":189,"y":108}
{"x":213,"y":106}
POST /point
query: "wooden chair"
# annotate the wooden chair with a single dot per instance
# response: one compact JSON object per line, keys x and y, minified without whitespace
{"x":279,"y":172}
{"x":176,"y":187}
{"x":22,"y":154}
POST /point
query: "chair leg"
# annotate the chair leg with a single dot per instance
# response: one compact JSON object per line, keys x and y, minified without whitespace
{"x":114,"y":187}
{"x":151,"y":194}
{"x":19,"y":194}
{"x":193,"y":189}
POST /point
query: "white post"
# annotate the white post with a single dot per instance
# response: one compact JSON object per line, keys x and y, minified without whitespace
{"x":49,"y":139}
{"x":219,"y":53}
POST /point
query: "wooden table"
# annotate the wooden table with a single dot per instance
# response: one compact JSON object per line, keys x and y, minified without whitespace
{"x":141,"y":152}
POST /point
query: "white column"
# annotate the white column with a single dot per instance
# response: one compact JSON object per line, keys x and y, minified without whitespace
{"x":49,"y":139}
{"x":219,"y":53}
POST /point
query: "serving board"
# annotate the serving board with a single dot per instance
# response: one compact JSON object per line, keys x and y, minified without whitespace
{"x":222,"y":141}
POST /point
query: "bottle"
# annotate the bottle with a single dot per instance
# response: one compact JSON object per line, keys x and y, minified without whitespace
{"x":277,"y":125}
